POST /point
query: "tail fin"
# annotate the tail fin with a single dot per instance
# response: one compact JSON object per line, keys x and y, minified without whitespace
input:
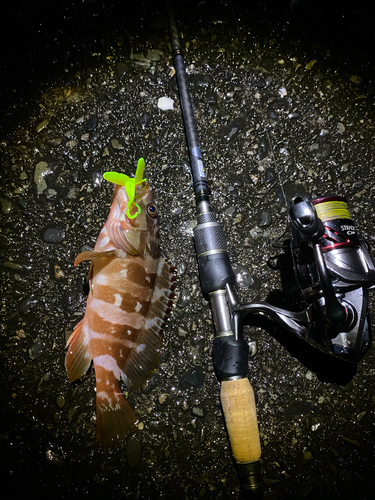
{"x":115,"y":418}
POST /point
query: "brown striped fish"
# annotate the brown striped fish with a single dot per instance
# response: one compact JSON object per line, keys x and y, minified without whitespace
{"x":129,"y":299}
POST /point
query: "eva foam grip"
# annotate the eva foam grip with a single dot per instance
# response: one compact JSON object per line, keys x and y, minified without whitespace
{"x":238,"y":402}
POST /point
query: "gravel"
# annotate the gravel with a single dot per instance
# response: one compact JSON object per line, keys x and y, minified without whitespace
{"x":288,"y":100}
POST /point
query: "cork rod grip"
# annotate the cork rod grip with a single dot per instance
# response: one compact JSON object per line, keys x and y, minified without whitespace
{"x":238,"y":402}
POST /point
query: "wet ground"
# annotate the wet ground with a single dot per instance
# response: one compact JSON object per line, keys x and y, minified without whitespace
{"x":285,"y":95}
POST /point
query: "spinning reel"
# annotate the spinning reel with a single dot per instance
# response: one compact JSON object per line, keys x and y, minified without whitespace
{"x":333,"y":272}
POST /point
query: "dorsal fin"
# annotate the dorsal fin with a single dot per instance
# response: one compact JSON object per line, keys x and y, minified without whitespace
{"x":144,"y":356}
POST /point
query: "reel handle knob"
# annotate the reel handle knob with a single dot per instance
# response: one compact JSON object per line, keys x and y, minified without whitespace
{"x":304,"y":218}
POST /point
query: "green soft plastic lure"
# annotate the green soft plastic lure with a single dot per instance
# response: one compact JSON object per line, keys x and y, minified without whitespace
{"x":129,"y":183}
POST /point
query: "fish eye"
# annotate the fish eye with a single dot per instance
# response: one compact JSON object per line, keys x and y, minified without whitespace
{"x":152,"y":211}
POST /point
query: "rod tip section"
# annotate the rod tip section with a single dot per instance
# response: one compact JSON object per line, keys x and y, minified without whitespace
{"x":238,"y":402}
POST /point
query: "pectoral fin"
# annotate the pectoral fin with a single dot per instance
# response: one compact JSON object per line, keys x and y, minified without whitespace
{"x":95,"y":255}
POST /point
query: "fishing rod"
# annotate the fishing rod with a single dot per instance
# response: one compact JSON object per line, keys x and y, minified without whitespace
{"x":230,"y":349}
{"x":330,"y":272}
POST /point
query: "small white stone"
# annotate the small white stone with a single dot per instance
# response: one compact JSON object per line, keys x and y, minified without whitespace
{"x":165,"y":103}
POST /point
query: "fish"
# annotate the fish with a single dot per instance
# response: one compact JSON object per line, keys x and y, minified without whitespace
{"x":130,"y":296}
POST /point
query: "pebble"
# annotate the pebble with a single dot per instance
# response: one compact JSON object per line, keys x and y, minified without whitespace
{"x":187,"y":227}
{"x":36,"y":350}
{"x":270,"y":176}
{"x":193,"y":379}
{"x":6,"y":205}
{"x":145,"y":119}
{"x":53,"y":235}
{"x":309,"y":375}
{"x":42,"y":125}
{"x":23,"y":203}
{"x":50,"y":193}
{"x":72,"y":193}
{"x":41,"y":170}
{"x":265,"y":219}
{"x":199,"y":412}
{"x":255,"y":233}
{"x":133,"y":452}
{"x":165,"y":103}
{"x":181,"y":268}
{"x":263,"y":148}
{"x":238,"y":219}
{"x":232,"y":129}
{"x":121,"y":69}
{"x":154,"y":54}
{"x":310,"y":64}
{"x":54,"y":142}
{"x":184,"y":297}
{"x":91,"y":123}
{"x":56,"y":418}
{"x":96,"y":179}
{"x":13,"y":265}
{"x":321,"y":151}
{"x":54,"y":455}
{"x":243,"y":276}
{"x":27,"y":305}
{"x":163,"y":398}
{"x":253,"y":348}
{"x":116,"y":144}
{"x":60,"y":400}
{"x":229,"y":211}
{"x":181,"y":332}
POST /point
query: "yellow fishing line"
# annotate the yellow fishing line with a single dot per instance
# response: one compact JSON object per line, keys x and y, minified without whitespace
{"x":331,"y":210}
